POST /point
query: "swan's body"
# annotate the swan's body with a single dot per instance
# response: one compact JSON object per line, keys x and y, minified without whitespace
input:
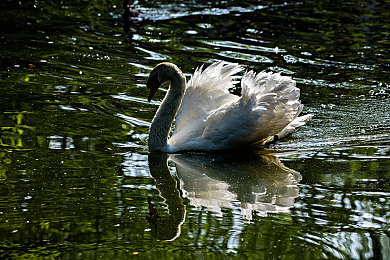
{"x":210,"y":118}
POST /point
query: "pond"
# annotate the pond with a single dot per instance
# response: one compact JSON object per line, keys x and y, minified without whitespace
{"x":77,"y":179}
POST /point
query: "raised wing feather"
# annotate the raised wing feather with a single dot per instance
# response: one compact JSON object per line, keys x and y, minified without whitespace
{"x":269,"y":102}
{"x":206,"y":91}
{"x":210,"y":118}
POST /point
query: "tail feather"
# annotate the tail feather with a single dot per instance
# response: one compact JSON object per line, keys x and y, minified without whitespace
{"x":275,"y":97}
{"x":294,"y":126}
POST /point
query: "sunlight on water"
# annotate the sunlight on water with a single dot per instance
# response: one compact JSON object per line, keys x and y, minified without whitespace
{"x":76,"y":177}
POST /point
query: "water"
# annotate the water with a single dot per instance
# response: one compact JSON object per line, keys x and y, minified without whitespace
{"x":76,"y":178}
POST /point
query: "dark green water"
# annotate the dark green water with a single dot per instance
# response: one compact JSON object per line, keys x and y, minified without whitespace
{"x":76,"y":179}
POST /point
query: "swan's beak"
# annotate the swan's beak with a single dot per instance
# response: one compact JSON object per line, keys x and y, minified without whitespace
{"x":153,"y":90}
{"x":153,"y":84}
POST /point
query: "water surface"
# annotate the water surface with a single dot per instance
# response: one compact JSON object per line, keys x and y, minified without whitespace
{"x":76,"y":178}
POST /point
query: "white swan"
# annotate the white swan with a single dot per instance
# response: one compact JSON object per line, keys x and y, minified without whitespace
{"x":210,"y":118}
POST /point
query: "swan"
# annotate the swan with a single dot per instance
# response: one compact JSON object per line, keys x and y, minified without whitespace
{"x":209,"y":118}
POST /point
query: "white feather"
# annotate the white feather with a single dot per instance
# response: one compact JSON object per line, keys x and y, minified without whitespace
{"x":210,"y":118}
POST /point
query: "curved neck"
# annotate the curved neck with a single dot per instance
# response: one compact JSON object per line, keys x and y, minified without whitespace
{"x":162,"y":121}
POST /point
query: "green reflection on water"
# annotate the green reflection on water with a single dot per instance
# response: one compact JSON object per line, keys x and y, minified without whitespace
{"x":74,"y":174}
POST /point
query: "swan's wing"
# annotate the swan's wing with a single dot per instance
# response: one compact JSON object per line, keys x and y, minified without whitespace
{"x":269,"y":102}
{"x":206,"y":91}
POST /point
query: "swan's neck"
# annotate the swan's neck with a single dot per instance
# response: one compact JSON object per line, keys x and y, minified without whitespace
{"x":162,"y":121}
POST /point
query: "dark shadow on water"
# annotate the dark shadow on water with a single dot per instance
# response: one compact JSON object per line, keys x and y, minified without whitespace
{"x":252,"y":183}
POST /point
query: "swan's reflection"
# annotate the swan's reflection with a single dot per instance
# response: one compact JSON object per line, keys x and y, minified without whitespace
{"x":167,"y":226}
{"x":254,"y":184}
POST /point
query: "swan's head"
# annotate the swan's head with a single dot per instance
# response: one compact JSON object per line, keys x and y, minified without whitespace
{"x":162,"y":73}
